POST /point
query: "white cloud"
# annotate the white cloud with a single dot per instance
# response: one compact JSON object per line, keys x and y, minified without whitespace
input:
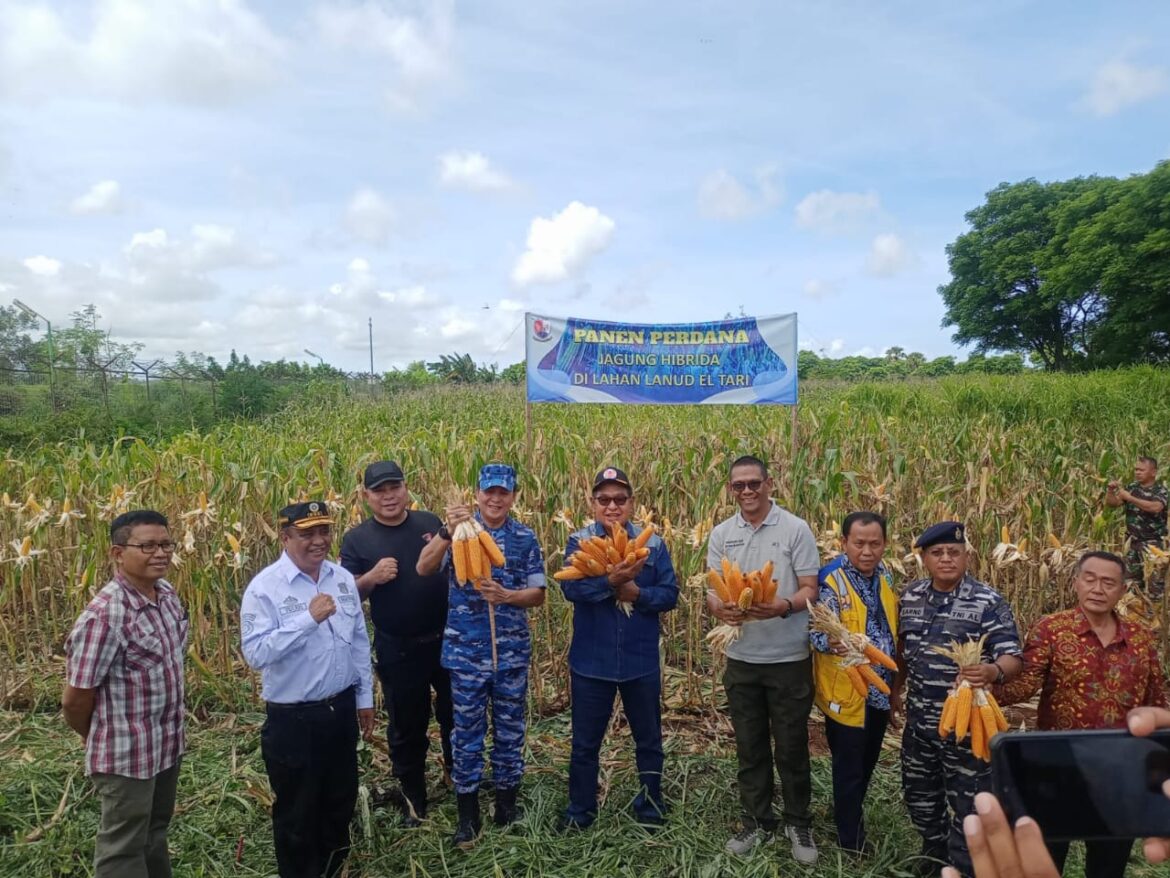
{"x":369,"y":217}
{"x":829,"y":211}
{"x":723,"y":197}
{"x":471,"y":170}
{"x":418,"y":47}
{"x":560,"y":245}
{"x":43,"y":265}
{"x":888,"y":255}
{"x":836,"y":346}
{"x":155,"y":258}
{"x":102,"y":197}
{"x":1119,"y":84}
{"x":817,"y":289}
{"x":195,"y":51}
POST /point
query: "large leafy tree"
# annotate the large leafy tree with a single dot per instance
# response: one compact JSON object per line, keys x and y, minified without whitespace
{"x":1001,"y":296}
{"x":1075,"y":274}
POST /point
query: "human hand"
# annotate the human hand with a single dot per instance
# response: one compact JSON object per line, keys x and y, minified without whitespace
{"x":366,"y":722}
{"x":978,"y":676}
{"x":493,"y":592}
{"x":384,"y":571}
{"x":628,"y":591}
{"x":1114,"y":486}
{"x":897,"y":708}
{"x":625,"y":571}
{"x":321,"y":607}
{"x":836,"y":647}
{"x":778,"y":607}
{"x":724,"y":611}
{"x":1142,"y":721}
{"x":999,"y":852}
{"x":456,"y":515}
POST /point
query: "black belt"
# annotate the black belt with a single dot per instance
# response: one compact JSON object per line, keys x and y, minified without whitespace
{"x":325,"y":702}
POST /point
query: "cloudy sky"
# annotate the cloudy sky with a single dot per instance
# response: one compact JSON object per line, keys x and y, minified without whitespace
{"x":269,"y":174}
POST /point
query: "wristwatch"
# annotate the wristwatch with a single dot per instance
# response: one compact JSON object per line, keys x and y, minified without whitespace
{"x":999,"y":674}
{"x":444,"y":534}
{"x":787,"y":612}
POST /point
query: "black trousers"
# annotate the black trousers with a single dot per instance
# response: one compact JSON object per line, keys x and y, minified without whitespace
{"x":1103,"y":859}
{"x":410,"y":671}
{"x":855,"y":753}
{"x":310,"y":752}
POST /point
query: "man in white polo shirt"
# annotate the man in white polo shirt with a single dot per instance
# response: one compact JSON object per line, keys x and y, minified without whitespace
{"x":769,"y":671}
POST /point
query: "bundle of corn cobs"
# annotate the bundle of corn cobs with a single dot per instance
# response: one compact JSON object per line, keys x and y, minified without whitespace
{"x":597,"y":556}
{"x":732,"y":586}
{"x":967,"y":709}
{"x":474,"y":553}
{"x":860,"y":652}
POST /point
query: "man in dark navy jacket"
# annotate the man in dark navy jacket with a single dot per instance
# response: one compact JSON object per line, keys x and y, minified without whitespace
{"x":615,"y":649}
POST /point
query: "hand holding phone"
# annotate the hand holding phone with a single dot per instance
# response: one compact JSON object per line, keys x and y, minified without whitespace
{"x":1142,"y":722}
{"x":997,"y":850}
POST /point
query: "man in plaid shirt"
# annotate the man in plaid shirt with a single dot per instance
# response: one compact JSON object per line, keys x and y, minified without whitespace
{"x":124,"y":696}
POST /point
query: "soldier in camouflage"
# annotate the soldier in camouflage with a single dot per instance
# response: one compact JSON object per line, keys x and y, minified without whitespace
{"x":467,"y":650}
{"x":941,"y":777}
{"x":1145,"y":502}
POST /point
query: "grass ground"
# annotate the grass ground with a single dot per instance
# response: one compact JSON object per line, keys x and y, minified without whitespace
{"x":48,"y":813}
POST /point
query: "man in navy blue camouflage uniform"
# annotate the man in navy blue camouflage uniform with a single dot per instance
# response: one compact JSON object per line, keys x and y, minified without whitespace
{"x":941,"y":777}
{"x":613,"y":652}
{"x":467,"y":649}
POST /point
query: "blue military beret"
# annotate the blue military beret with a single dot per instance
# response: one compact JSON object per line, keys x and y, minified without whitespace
{"x":943,"y":532}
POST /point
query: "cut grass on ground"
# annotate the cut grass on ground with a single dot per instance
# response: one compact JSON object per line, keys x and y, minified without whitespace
{"x":223,"y":796}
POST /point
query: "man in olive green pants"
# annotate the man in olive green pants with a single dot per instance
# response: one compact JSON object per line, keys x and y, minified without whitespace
{"x":135,"y":816}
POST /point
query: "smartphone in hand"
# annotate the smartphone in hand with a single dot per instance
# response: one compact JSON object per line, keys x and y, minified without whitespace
{"x":1084,"y":784}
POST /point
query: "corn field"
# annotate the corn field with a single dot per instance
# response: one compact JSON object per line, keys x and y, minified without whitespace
{"x":1022,"y":459}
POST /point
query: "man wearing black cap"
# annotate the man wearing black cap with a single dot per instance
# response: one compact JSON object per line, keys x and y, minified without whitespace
{"x":302,"y":627}
{"x":615,"y":649}
{"x":409,"y":612}
{"x":939,"y":774}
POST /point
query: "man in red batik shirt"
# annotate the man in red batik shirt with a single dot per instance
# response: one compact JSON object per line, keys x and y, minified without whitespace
{"x":1091,"y":668}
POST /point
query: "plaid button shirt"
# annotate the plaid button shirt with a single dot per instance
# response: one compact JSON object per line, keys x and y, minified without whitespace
{"x":131,"y":651}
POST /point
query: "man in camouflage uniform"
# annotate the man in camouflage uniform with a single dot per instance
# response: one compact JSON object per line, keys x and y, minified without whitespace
{"x":1145,"y":502}
{"x":940,"y":775}
{"x":467,"y":650}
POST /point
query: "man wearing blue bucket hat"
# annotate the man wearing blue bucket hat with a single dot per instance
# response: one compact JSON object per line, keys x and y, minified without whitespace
{"x":476,"y":681}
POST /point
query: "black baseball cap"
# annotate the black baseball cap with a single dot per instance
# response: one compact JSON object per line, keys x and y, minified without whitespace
{"x":305,"y":515}
{"x":381,"y":472}
{"x":612,"y":474}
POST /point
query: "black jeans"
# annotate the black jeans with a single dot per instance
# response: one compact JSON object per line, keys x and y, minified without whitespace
{"x":410,"y":671}
{"x":769,"y":706}
{"x":855,"y":753}
{"x":1103,"y":859}
{"x":311,"y":756}
{"x":592,"y":709}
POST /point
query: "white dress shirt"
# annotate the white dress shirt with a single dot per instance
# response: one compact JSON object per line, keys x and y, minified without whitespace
{"x":298,"y":658}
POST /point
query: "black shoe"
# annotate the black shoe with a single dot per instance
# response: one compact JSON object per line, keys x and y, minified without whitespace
{"x":414,"y":804}
{"x":566,"y":824}
{"x":927,"y":864}
{"x":469,"y":826}
{"x":507,"y":811}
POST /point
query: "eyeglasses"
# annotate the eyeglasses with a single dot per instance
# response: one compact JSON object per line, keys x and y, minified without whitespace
{"x":150,"y":548}
{"x":610,"y":501}
{"x":753,"y":486}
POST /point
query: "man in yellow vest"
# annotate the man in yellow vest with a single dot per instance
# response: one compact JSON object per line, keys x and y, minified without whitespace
{"x":857,"y":587}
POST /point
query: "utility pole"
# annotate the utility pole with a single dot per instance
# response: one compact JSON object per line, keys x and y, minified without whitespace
{"x":52,"y":357}
{"x":320,"y":359}
{"x":371,"y":350}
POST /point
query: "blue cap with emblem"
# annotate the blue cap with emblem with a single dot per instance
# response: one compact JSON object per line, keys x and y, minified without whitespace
{"x":497,"y":475}
{"x":943,"y":532}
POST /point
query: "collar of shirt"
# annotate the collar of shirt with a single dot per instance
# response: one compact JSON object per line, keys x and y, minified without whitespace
{"x":137,"y":599}
{"x":773,"y":517}
{"x":1085,"y":627}
{"x":291,"y":571}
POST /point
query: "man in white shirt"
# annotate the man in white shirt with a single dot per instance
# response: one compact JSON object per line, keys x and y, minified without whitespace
{"x":302,"y":627}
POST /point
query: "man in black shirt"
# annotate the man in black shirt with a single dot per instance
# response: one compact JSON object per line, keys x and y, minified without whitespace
{"x":409,"y":613}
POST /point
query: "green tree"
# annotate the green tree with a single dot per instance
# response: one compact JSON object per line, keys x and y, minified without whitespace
{"x":517,"y":373}
{"x":17,"y":349}
{"x":1003,"y":295}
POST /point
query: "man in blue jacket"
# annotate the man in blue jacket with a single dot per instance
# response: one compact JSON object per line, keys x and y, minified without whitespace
{"x":613,"y":652}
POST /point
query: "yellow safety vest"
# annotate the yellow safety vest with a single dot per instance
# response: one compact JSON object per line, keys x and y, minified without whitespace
{"x":835,"y":695}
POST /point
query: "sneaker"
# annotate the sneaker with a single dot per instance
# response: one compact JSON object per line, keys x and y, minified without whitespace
{"x":804,"y":849}
{"x":746,"y":839}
